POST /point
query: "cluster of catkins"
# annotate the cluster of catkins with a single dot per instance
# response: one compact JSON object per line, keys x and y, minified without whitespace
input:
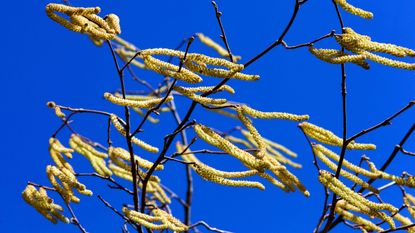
{"x":353,"y":206}
{"x":362,"y":47}
{"x":262,"y":157}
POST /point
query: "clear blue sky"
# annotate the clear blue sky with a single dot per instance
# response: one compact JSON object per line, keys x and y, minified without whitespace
{"x":42,"y":61}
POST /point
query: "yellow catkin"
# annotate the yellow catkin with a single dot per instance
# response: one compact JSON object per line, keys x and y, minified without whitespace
{"x":96,"y":158}
{"x":409,"y":201}
{"x":218,"y":176}
{"x":363,"y":45}
{"x":43,"y":204}
{"x":408,"y":181}
{"x":164,"y":220}
{"x":405,"y":222}
{"x":85,"y":20}
{"x":212,"y":138}
{"x":210,"y":88}
{"x":356,"y":41}
{"x":344,"y":173}
{"x":198,"y":98}
{"x":123,"y":154}
{"x":282,"y":159}
{"x":273,"y":115}
{"x":368,"y":225}
{"x":135,"y":103}
{"x":280,"y":148}
{"x":57,"y":150}
{"x":197,"y":63}
{"x":327,"y":137}
{"x":338,"y":57}
{"x":354,"y":10}
{"x":138,"y":142}
{"x":167,"y":69}
{"x":219,"y":49}
{"x":68,"y":181}
{"x":381,"y":215}
{"x":346,"y":164}
{"x":253,"y":131}
{"x":336,"y":186}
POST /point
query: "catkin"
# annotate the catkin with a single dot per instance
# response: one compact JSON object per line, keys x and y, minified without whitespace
{"x":219,"y":49}
{"x":166,"y":220}
{"x":218,"y":176}
{"x":209,"y":136}
{"x":338,"y":57}
{"x":135,"y":103}
{"x":367,"y":206}
{"x":39,"y":200}
{"x":198,"y":98}
{"x":120,"y":153}
{"x":273,"y":115}
{"x":354,"y":10}
{"x":194,"y":62}
{"x":344,"y":173}
{"x":85,"y":20}
{"x":368,"y":225}
{"x":327,"y":137}
{"x":346,"y":164}
{"x":253,"y":131}
{"x":96,"y":158}
{"x":121,"y":130}
{"x":363,"y":45}
{"x":68,"y":181}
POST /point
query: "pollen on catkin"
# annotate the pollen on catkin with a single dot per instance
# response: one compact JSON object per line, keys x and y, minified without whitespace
{"x":363,"y":45}
{"x":344,"y":173}
{"x":338,"y":57}
{"x":149,"y":103}
{"x":198,"y":98}
{"x":218,"y":176}
{"x":118,"y":153}
{"x":253,"y":131}
{"x":68,"y":181}
{"x":138,"y":142}
{"x":273,"y":115}
{"x":354,"y":10}
{"x":95,"y":157}
{"x":219,"y":49}
{"x":85,"y":20}
{"x":45,"y":205}
{"x":336,"y":186}
{"x":160,"y":220}
{"x":327,"y":137}
{"x":214,"y":139}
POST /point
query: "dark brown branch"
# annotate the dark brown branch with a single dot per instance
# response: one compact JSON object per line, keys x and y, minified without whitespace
{"x":331,"y":34}
{"x":385,"y":122}
{"x":344,"y":136}
{"x":128,"y":135}
{"x":107,"y":204}
{"x":74,"y":219}
{"x":107,"y":178}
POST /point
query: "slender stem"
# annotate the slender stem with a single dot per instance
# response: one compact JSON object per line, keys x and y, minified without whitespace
{"x":344,"y":125}
{"x":128,"y":135}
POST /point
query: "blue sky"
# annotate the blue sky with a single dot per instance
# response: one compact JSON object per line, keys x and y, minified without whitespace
{"x":42,"y":61}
